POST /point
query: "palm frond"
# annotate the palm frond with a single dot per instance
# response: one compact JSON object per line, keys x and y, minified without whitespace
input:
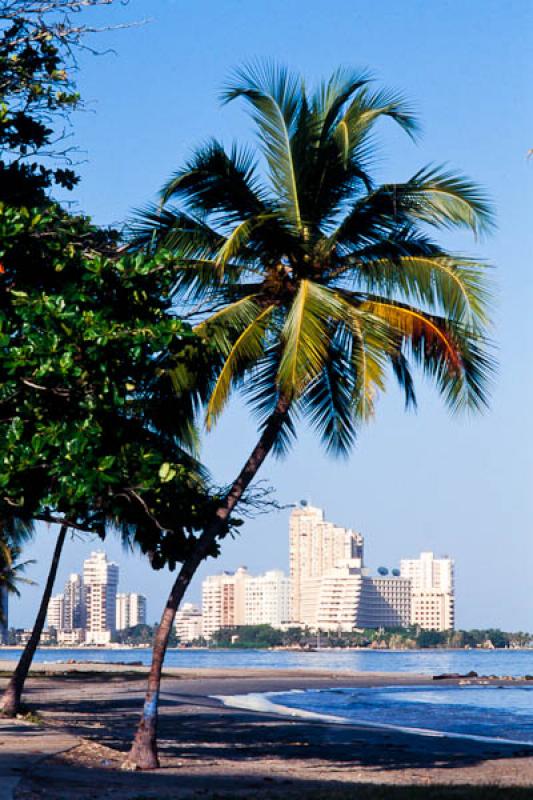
{"x":306,"y":336}
{"x":248,"y":348}
{"x":275,"y":96}
{"x":214,"y":182}
{"x":362,"y":113}
{"x":262,"y":394}
{"x":445,"y":284}
{"x":451,"y":354}
{"x":328,"y":403}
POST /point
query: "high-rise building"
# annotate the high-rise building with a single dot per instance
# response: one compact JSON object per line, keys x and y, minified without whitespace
{"x":347,"y":597}
{"x":131,"y":610}
{"x":223,"y":601}
{"x":432,"y":592}
{"x":100,"y":581}
{"x":188,"y":623}
{"x":4,"y":614}
{"x":316,"y":546}
{"x":238,"y":598}
{"x":56,"y":612}
{"x":386,"y":602}
{"x":73,"y":615}
{"x":332,"y":601}
{"x":267,"y":599}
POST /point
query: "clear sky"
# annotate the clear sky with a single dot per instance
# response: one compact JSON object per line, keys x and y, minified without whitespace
{"x":459,"y":486}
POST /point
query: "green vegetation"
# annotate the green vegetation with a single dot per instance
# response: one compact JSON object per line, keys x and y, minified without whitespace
{"x":260,"y":636}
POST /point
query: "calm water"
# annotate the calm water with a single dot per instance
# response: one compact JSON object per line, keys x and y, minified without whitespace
{"x":485,"y":662}
{"x":487,"y":711}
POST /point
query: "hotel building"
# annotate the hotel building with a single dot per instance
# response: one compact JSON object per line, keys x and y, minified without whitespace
{"x":74,"y":611}
{"x":238,"y":598}
{"x":56,"y":612}
{"x":315,"y":547}
{"x":188,"y":623}
{"x":267,"y":599}
{"x":433,"y":591}
{"x":223,"y":601}
{"x":100,"y":581}
{"x":131,"y":610}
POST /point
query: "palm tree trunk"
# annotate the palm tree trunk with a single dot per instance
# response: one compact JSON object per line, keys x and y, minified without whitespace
{"x":10,"y":703}
{"x":143,"y":753}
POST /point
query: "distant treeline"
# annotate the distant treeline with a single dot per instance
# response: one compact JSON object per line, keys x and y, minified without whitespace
{"x":264,"y":636}
{"x":250,"y":636}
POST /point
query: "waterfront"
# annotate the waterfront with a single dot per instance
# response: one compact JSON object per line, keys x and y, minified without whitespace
{"x":494,"y":713}
{"x":428,"y":662}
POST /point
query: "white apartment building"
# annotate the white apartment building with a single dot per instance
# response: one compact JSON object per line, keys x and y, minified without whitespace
{"x":386,"y":602}
{"x":223,"y":601}
{"x":188,"y":623}
{"x":316,"y":546}
{"x":332,"y":601}
{"x":433,"y":591}
{"x":74,"y":612}
{"x":267,"y":599}
{"x":56,"y":612}
{"x":131,"y":610}
{"x":238,"y":598}
{"x":347,"y":597}
{"x":100,"y":580}
{"x":72,"y":637}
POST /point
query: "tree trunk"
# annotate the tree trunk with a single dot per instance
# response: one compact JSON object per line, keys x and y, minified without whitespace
{"x":143,"y":753}
{"x":10,"y":703}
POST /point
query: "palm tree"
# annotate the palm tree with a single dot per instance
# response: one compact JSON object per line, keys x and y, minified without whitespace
{"x":312,"y":281}
{"x":11,"y":575}
{"x":10,"y":703}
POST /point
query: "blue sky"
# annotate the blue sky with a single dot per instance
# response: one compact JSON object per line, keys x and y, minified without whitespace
{"x":460,"y":486}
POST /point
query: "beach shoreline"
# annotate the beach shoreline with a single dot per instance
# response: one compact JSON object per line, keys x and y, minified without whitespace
{"x":214,"y":748}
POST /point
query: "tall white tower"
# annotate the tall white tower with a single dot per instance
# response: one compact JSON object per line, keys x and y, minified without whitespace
{"x":100,"y":581}
{"x":433,"y":591}
{"x":315,"y":547}
{"x":73,"y":615}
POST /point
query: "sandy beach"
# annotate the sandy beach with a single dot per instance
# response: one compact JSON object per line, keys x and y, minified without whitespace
{"x":212,"y":751}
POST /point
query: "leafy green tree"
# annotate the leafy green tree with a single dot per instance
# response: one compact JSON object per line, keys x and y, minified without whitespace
{"x":39,"y":43}
{"x":92,"y":436}
{"x":313,"y":281}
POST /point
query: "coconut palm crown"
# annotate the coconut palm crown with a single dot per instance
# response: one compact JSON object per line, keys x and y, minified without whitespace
{"x":312,"y":281}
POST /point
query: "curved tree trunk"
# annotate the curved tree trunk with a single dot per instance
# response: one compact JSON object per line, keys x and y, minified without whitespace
{"x":10,"y":703}
{"x":143,"y":753}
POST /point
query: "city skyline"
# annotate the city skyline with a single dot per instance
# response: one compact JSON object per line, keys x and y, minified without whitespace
{"x":150,"y":581}
{"x":328,"y":588}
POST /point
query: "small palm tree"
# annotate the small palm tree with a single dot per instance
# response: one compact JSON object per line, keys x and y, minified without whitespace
{"x":12,"y":571}
{"x":312,"y":281}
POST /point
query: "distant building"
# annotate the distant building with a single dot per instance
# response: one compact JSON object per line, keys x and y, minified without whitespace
{"x":316,"y":546}
{"x":386,"y":603}
{"x":188,"y":623}
{"x":238,"y":598}
{"x":332,"y":602}
{"x":267,"y":599}
{"x":131,"y":610}
{"x":433,"y":591}
{"x":100,"y":581}
{"x":56,"y":612}
{"x":74,"y":611}
{"x":4,"y":614}
{"x":223,"y":601}
{"x":73,"y":637}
